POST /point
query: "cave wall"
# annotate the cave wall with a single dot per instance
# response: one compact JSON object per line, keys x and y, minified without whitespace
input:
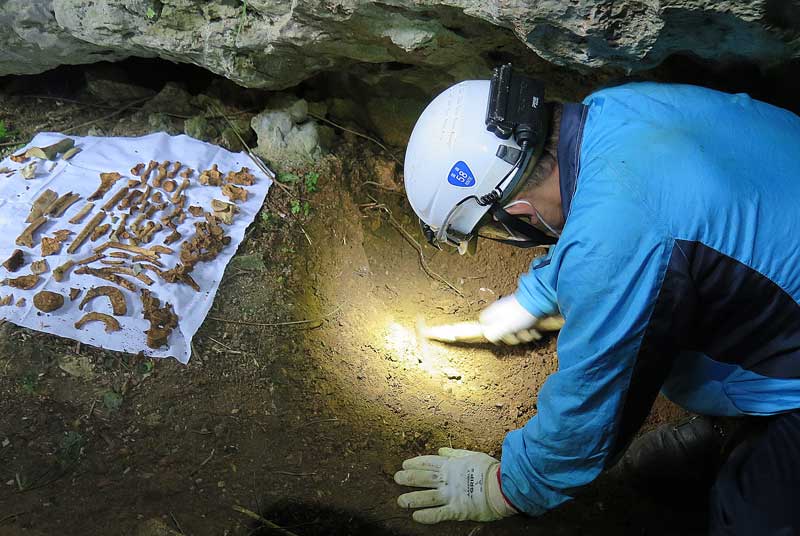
{"x":423,"y":44}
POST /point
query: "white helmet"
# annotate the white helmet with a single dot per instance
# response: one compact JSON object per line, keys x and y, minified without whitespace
{"x":456,"y":171}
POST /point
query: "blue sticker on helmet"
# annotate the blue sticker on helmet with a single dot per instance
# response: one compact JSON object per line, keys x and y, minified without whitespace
{"x":461,"y":175}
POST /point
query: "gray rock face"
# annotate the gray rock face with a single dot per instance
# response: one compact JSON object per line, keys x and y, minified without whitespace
{"x":425,"y":43}
{"x":287,"y":137}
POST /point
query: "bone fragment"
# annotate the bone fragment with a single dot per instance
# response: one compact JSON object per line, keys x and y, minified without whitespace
{"x":41,"y":204}
{"x":27,"y":236}
{"x":78,"y":217}
{"x":111,"y":323}
{"x":85,"y":232}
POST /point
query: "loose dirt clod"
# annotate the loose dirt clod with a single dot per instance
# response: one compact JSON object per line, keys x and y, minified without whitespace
{"x":110,"y":322}
{"x":21,"y":302}
{"x":25,"y":282}
{"x":234,"y":193}
{"x":114,"y":295}
{"x":162,"y":320}
{"x":15,"y":261}
{"x":47,"y":301}
{"x":78,"y":217}
{"x":107,"y":180}
{"x":39,"y":267}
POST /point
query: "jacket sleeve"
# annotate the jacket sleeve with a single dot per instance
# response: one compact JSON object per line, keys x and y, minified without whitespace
{"x":606,"y":271}
{"x":535,"y":290}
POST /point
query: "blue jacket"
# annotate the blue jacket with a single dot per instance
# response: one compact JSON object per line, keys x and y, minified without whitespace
{"x":678,"y":270}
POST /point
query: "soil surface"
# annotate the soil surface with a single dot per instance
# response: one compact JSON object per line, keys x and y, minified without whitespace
{"x":303,"y":420}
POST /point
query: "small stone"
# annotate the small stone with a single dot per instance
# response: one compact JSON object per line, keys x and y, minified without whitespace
{"x":231,"y":141}
{"x":298,"y":111}
{"x":77,"y":366}
{"x":199,"y":128}
{"x":249,"y":262}
{"x":111,"y":83}
{"x":451,"y":373}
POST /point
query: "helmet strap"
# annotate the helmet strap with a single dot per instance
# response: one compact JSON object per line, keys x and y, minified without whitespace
{"x":534,"y":236}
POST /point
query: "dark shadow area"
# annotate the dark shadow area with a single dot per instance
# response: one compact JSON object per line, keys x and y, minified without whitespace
{"x":778,"y":85}
{"x":310,"y":518}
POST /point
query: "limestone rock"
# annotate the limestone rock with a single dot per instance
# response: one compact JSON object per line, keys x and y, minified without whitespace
{"x":200,"y":128}
{"x":425,"y":44}
{"x":108,"y":83}
{"x":393,"y":119}
{"x":286,"y":138}
{"x":173,"y":98}
{"x":161,"y":122}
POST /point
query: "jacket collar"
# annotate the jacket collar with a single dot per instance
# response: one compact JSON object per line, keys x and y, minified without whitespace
{"x":573,"y":118}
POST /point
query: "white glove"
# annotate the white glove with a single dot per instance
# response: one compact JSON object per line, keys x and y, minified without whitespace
{"x":507,"y":321}
{"x":466,"y":486}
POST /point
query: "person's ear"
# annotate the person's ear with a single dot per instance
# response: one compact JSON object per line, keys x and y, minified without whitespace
{"x":520,"y":208}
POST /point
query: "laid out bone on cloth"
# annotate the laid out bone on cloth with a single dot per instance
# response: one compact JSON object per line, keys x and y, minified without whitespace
{"x":81,"y":175}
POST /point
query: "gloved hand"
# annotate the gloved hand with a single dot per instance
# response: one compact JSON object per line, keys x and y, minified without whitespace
{"x":466,"y":486}
{"x":507,"y":321}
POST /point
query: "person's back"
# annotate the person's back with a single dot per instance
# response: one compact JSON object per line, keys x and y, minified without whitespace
{"x":719,"y":175}
{"x":675,"y":269}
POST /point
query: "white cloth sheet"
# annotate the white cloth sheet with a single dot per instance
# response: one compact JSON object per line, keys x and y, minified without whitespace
{"x":81,"y":175}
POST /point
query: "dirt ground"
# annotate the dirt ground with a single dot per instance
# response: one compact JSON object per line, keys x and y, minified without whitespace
{"x":303,"y":423}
